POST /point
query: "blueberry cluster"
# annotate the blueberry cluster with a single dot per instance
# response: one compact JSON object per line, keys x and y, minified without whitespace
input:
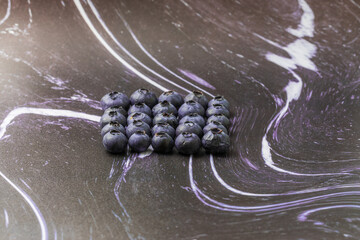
{"x":169,"y":121}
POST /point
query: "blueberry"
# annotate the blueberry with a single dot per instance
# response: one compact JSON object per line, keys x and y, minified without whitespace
{"x":215,"y":124}
{"x":193,"y":117}
{"x":115,"y":141}
{"x":219,"y":118}
{"x":109,"y":116}
{"x":187,"y":143}
{"x":140,"y":107}
{"x":114,"y":99}
{"x":217,"y":109}
{"x":166,"y":117}
{"x":139,"y":116}
{"x":117,"y":109}
{"x":197,"y":96}
{"x":137,"y":125}
{"x":190,"y":127}
{"x":219,"y":100}
{"x":163,"y":127}
{"x":163,"y":107}
{"x":139,"y":141}
{"x":112,"y":126}
{"x":216,"y":141}
{"x":162,"y":142}
{"x":191,"y":107}
{"x":144,"y":96}
{"x":172,"y":97}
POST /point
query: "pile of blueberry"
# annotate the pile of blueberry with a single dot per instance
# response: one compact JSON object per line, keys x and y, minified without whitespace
{"x":175,"y":122}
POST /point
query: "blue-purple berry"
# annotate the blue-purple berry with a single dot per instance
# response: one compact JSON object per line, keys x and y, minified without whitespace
{"x":139,"y":141}
{"x":140,"y":107}
{"x":187,"y":143}
{"x":173,"y":97}
{"x":114,"y":99}
{"x":197,"y":96}
{"x":115,"y":142}
{"x":217,"y":109}
{"x":112,"y":126}
{"x":164,"y":107}
{"x":162,"y":142}
{"x":137,"y":125}
{"x":139,"y":116}
{"x":144,"y":96}
{"x":193,"y":117}
{"x":216,"y":141}
{"x":163,"y":127}
{"x":215,"y":124}
{"x":190,"y":127}
{"x":114,"y":116}
{"x":191,"y":107}
{"x":166,"y":117}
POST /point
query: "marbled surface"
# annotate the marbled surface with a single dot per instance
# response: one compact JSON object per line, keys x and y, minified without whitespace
{"x":290,"y":69}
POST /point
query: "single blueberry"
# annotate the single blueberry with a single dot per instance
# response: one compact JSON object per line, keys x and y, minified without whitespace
{"x":115,"y":141}
{"x":140,"y":107}
{"x":139,"y":116}
{"x":112,"y":116}
{"x":164,"y":107}
{"x":113,"y":125}
{"x":166,"y":117}
{"x":191,"y":107}
{"x":215,"y":124}
{"x":197,"y":96}
{"x":219,"y":118}
{"x":172,"y":97}
{"x":216,"y":141}
{"x":187,"y":143}
{"x":117,"y":109}
{"x":144,"y":96}
{"x":162,"y":142}
{"x":114,"y":99}
{"x":139,"y":141}
{"x":190,"y":127}
{"x":217,"y":109}
{"x":219,"y":100}
{"x":137,"y":125}
{"x":163,"y":127}
{"x":193,"y":117}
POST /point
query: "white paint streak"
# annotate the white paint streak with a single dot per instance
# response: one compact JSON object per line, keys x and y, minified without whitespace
{"x":7,"y":14}
{"x":306,"y":27}
{"x":6,"y":218}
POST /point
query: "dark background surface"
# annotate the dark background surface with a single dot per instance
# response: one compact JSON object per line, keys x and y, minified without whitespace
{"x":290,"y":70}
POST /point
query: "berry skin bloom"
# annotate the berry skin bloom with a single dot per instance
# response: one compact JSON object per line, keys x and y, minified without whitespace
{"x":217,"y":109}
{"x":162,"y":142}
{"x":163,"y":127}
{"x":164,"y":107}
{"x":190,"y":127}
{"x":195,"y":118}
{"x":216,"y":141}
{"x":143,"y":95}
{"x":138,"y":125}
{"x":139,"y":116}
{"x":187,"y":143}
{"x":112,"y":126}
{"x":219,"y":100}
{"x":172,"y":97}
{"x":140,"y":107}
{"x":112,"y":116}
{"x":139,"y":141}
{"x":191,"y":107}
{"x":197,"y":96}
{"x":115,"y":141}
{"x":114,"y":99}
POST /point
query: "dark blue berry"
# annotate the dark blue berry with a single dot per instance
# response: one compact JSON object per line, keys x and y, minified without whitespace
{"x":172,"y":97}
{"x":139,"y":116}
{"x":216,"y":141}
{"x":140,"y":107}
{"x":163,"y":127}
{"x":164,"y":107}
{"x":197,"y":96}
{"x":137,"y":125}
{"x":162,"y":142}
{"x":219,"y":118}
{"x":117,"y":109}
{"x":144,"y":96}
{"x":187,"y":143}
{"x":112,"y":126}
{"x":139,"y":141}
{"x":166,"y":117}
{"x":219,"y":100}
{"x":115,"y":141}
{"x":190,"y":127}
{"x":193,"y":117}
{"x":114,"y":116}
{"x":217,"y":109}
{"x":191,"y":107}
{"x":215,"y":124}
{"x":114,"y":99}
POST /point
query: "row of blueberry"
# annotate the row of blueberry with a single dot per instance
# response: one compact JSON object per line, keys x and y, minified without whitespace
{"x":143,"y":104}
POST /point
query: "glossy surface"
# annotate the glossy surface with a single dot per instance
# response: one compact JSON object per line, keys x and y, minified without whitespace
{"x":289,"y":68}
